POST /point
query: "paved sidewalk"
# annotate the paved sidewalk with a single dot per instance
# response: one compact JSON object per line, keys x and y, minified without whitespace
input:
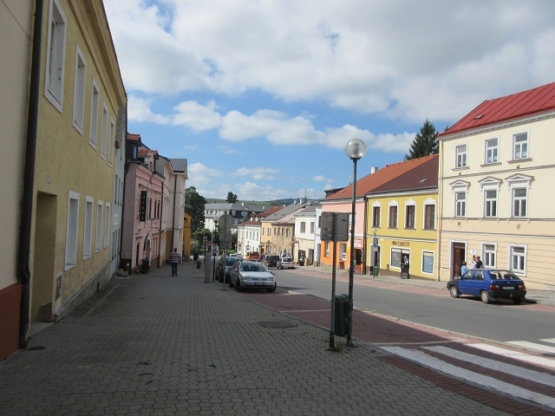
{"x":162,"y":345}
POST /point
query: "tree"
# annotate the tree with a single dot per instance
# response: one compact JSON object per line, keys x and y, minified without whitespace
{"x":231,"y":198}
{"x":425,"y":142}
{"x":194,"y":206}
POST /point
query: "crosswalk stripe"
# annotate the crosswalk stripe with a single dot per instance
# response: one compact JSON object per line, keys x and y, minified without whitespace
{"x":546,"y":362}
{"x":533,"y":346}
{"x":506,"y":368}
{"x":550,"y":340}
{"x":470,"y":376}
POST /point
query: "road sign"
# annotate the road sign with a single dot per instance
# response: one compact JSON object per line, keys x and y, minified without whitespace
{"x":225,"y":221}
{"x":341,"y":227}
{"x":375,"y":242}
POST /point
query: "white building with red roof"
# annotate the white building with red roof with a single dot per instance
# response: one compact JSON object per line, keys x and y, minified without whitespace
{"x":495,"y":182}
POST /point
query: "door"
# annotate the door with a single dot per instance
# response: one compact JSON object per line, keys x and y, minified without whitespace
{"x":458,"y":254}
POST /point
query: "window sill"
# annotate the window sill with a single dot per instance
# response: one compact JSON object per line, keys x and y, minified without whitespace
{"x":491,"y":164}
{"x":526,"y":159}
{"x":461,"y":168}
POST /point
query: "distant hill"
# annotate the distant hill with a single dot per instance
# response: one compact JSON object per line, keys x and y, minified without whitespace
{"x":275,"y":202}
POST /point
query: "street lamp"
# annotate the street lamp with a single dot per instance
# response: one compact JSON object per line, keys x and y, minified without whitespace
{"x":355,"y":150}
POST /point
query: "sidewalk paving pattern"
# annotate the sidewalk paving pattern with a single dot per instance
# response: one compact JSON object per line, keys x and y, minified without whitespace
{"x":162,"y":345}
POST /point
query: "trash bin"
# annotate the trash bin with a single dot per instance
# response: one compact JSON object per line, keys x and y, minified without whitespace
{"x":198,"y":264}
{"x":341,"y":312}
{"x":145,"y":266}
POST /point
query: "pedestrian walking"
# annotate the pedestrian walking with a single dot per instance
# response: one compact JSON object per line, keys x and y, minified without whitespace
{"x":174,"y":259}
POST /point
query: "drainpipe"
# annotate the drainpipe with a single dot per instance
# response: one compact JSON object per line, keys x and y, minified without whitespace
{"x":174,"y":198}
{"x":24,"y":250}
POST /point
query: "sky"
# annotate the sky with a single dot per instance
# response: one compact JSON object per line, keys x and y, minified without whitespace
{"x":261,"y":96}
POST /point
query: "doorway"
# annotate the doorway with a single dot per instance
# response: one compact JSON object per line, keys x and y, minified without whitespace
{"x":458,"y":254}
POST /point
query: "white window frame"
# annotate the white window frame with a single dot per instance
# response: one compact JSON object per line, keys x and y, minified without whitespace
{"x":98,"y":236}
{"x":519,"y":181}
{"x":343,"y":251}
{"x":520,"y":200}
{"x":521,"y":150}
{"x":432,"y":254}
{"x":410,"y":203}
{"x":491,"y":204}
{"x":327,"y":249}
{"x":461,"y":152}
{"x":103,"y":123}
{"x":460,"y":203}
{"x":312,"y":227}
{"x":491,"y":151}
{"x":95,"y":102}
{"x":489,"y":256}
{"x":72,"y":226}
{"x":427,"y":203}
{"x":303,"y":227}
{"x":512,"y":256}
{"x":87,"y":230}
{"x":107,"y":218}
{"x":79,"y":91}
{"x":55,"y":55}
{"x":111,"y":141}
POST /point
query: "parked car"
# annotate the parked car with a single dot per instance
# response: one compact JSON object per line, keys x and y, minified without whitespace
{"x":271,"y":261}
{"x":285,"y":263}
{"x":488,"y":284}
{"x":223,"y":267}
{"x":251,"y":275}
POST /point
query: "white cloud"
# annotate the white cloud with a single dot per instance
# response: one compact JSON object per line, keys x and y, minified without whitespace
{"x":139,"y":111}
{"x":200,"y":175}
{"x":196,"y":116}
{"x":257,"y":173}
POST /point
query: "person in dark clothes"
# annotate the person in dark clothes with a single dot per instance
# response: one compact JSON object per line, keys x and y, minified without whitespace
{"x":174,"y":259}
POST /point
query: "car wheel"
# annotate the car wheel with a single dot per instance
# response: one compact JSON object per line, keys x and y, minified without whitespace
{"x":272,"y":289}
{"x":485,"y":296}
{"x":517,"y":300}
{"x":454,"y":291}
{"x":238,"y":286}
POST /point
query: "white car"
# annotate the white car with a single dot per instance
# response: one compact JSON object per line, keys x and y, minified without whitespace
{"x":285,"y":263}
{"x":251,"y":275}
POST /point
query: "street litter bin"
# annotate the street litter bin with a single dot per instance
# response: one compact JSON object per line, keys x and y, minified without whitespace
{"x":198,"y":264}
{"x":145,"y":266}
{"x":341,"y":312}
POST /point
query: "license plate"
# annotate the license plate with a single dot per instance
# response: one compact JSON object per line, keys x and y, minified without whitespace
{"x":257,"y":283}
{"x":508,"y":288}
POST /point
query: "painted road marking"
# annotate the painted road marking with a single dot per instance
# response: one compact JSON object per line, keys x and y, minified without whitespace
{"x":533,"y":346}
{"x":546,"y":362}
{"x":470,"y":376}
{"x":550,"y":340}
{"x":502,"y":367}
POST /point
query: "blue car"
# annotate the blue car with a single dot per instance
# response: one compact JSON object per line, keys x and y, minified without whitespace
{"x":488,"y":284}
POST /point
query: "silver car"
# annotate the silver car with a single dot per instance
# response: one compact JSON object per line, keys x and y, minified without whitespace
{"x":251,"y":275}
{"x":285,"y":263}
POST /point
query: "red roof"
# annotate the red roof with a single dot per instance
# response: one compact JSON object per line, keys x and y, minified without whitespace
{"x":133,"y":136}
{"x":525,"y":103}
{"x":377,"y":179}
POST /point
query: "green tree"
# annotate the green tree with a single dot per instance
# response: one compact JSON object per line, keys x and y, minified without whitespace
{"x":425,"y":142}
{"x":194,"y":206}
{"x":231,"y":198}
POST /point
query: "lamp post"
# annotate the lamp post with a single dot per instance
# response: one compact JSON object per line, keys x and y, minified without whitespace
{"x":355,"y":150}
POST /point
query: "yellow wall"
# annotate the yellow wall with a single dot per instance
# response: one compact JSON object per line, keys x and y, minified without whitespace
{"x":415,"y":242}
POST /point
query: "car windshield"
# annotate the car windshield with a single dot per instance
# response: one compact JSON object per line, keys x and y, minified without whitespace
{"x":503,"y":275}
{"x":287,"y":260}
{"x":253,"y":267}
{"x":230,"y":261}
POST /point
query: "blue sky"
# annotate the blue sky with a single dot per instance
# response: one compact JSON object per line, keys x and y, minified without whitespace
{"x":261,"y":96}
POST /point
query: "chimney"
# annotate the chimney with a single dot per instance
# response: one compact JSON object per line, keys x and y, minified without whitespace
{"x":373,"y":170}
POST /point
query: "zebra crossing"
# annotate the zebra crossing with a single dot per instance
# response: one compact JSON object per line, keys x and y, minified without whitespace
{"x":527,"y":373}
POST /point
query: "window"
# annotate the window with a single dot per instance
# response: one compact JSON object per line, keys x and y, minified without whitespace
{"x":71,"y":233}
{"x":409,"y":219}
{"x":87,"y":239}
{"x":427,"y":262}
{"x":396,"y":255}
{"x":429,"y":217}
{"x":343,"y":251}
{"x":312,"y":227}
{"x":460,"y":204}
{"x":490,"y":203}
{"x":111,"y":141}
{"x":269,"y":231}
{"x":103,"y":122}
{"x":460,"y":152}
{"x":376,"y":216}
{"x":519,"y":202}
{"x":488,"y":256}
{"x":287,"y":233}
{"x":491,"y":150}
{"x":107,"y":225}
{"x":327,"y":246}
{"x":98,"y":239}
{"x":79,"y":92}
{"x":520,"y":146}
{"x":94,"y":115}
{"x":517,"y":259}
{"x":303,"y":227}
{"x":55,"y":55}
{"x":393,"y":216}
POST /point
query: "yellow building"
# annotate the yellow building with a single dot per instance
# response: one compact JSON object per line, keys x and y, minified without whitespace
{"x":401,"y":227}
{"x":80,"y":94}
{"x":187,"y":221}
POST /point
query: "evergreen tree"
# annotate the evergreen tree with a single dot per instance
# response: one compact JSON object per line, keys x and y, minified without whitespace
{"x":231,"y":198}
{"x":194,"y":206}
{"x":425,"y":142}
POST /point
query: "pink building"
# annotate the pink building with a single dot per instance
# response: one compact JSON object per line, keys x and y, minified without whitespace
{"x":142,"y":208}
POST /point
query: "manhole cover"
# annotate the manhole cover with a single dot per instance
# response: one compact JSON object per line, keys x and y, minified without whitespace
{"x":279,"y":324}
